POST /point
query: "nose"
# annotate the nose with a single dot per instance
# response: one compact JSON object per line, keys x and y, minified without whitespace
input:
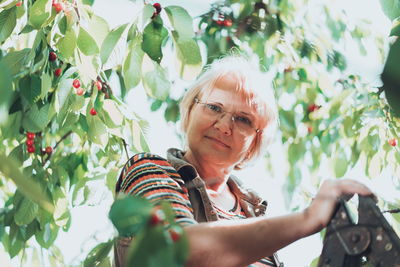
{"x":224,"y":124}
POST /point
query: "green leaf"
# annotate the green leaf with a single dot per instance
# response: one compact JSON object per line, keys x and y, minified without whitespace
{"x":156,"y":83}
{"x":130,"y":214}
{"x":153,"y":37}
{"x":374,"y":166}
{"x":67,"y":45}
{"x":86,"y":43}
{"x":131,"y":69}
{"x":47,"y":235}
{"x":391,"y":8}
{"x":98,"y":28}
{"x":63,"y":91}
{"x":45,"y":84}
{"x":98,"y":254}
{"x":16,"y":61}
{"x":112,"y":116}
{"x":97,"y":130}
{"x":39,"y":13}
{"x":6,"y":89}
{"x":26,"y":212}
{"x":8,"y":20}
{"x":189,"y":58}
{"x":35,"y":119}
{"x":181,"y":21}
{"x":26,"y":185}
{"x":395,"y":29}
{"x":61,"y":213}
{"x":110,"y":42}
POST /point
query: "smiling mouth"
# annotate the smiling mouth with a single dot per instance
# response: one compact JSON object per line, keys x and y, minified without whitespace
{"x":218,"y":141}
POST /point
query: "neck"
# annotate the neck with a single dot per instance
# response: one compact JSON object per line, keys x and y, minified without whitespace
{"x":214,"y":175}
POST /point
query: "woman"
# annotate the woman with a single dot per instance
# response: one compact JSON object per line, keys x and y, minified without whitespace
{"x":228,"y":117}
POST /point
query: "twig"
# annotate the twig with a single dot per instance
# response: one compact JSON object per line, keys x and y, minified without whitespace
{"x":391,"y":211}
{"x":58,"y":142}
{"x":125,"y":145}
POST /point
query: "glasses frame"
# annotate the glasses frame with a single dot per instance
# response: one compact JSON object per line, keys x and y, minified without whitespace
{"x":197,"y":101}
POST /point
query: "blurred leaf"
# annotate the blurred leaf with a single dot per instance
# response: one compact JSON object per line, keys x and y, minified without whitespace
{"x":28,"y":187}
{"x":153,"y":38}
{"x":180,"y":21}
{"x":395,"y":29}
{"x":39,"y":13}
{"x":8,"y":20}
{"x":26,"y":212}
{"x":86,"y":43}
{"x":391,"y":8}
{"x":98,"y":254}
{"x":172,"y":112}
{"x":6,"y":89}
{"x":391,"y":77}
{"x":296,"y":152}
{"x":88,"y":2}
{"x":130,"y":214}
{"x":340,"y":163}
{"x":110,"y":42}
{"x":156,"y":83}
{"x":47,"y":235}
{"x":374,"y":166}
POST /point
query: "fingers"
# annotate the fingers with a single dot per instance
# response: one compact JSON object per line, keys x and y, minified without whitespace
{"x":345,"y":188}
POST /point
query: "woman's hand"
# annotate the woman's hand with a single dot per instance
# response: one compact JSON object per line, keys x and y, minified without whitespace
{"x":321,"y":209}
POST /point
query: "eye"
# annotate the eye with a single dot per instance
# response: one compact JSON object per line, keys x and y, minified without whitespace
{"x":214,"y":108}
{"x":243,"y":120}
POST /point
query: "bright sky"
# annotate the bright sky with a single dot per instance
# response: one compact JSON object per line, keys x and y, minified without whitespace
{"x":92,"y":221}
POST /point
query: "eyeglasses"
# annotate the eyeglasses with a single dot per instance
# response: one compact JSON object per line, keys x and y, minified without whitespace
{"x":241,"y":122}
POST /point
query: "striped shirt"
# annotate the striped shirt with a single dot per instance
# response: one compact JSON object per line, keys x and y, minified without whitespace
{"x":152,"y":177}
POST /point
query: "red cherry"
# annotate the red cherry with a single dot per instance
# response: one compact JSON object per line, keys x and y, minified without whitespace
{"x":58,"y":7}
{"x":30,"y":135}
{"x":393,"y":142}
{"x":52,"y":56}
{"x":93,"y":112}
{"x":174,"y":234}
{"x":99,"y":85}
{"x":48,"y":150}
{"x":157,"y":7}
{"x":309,"y":129}
{"x":80,"y":91}
{"x":57,"y":72}
{"x":19,"y":3}
{"x":227,"y":23}
{"x":219,"y":22}
{"x":157,"y":217}
{"x":313,"y":107}
{"x":31,"y":149}
{"x":76,"y":83}
{"x":29,"y":142}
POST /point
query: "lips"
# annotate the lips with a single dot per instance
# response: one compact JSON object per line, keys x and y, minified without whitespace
{"x":217,"y":141}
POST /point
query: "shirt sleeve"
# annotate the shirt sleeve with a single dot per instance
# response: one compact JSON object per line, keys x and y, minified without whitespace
{"x":152,"y":177}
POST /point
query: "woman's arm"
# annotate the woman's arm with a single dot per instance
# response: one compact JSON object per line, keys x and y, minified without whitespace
{"x":239,"y":243}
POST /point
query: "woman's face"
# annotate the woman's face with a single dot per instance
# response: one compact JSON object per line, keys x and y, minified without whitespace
{"x":216,"y":138}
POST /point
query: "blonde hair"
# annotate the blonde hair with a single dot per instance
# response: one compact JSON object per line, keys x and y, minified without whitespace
{"x":252,"y":84}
